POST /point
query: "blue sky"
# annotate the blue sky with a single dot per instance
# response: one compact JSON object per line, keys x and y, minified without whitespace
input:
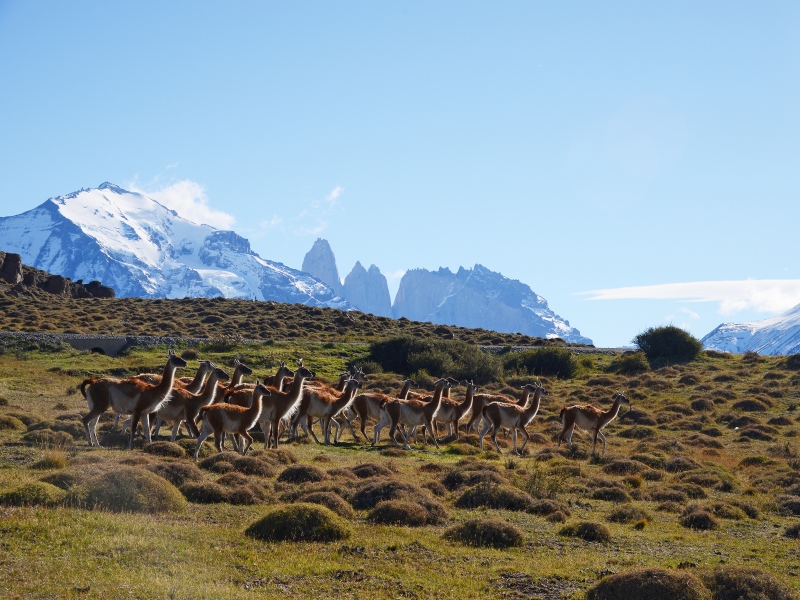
{"x":576,"y":147}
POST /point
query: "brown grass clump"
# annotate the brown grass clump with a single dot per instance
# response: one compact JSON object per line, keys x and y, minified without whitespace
{"x":372,"y":492}
{"x":177,"y":473}
{"x":624,"y":466}
{"x":488,"y":533}
{"x":37,"y":493}
{"x":546,"y":507}
{"x":588,"y":531}
{"x":189,"y":446}
{"x":62,"y":479}
{"x":458,"y":478}
{"x":494,"y":496}
{"x":164,"y":448}
{"x":699,"y":519}
{"x":252,"y":465}
{"x":300,"y":523}
{"x":52,"y":459}
{"x":301,"y":474}
{"x":742,"y":583}
{"x":205,"y":492}
{"x":399,"y":512}
{"x":367,"y":470}
{"x":611,"y":494}
{"x":653,"y":584}
{"x":225,"y":458}
{"x":48,"y":438}
{"x":330,"y":500}
{"x":127,"y":489}
{"x":12,"y":423}
{"x":679,"y":464}
{"x":627,"y":515}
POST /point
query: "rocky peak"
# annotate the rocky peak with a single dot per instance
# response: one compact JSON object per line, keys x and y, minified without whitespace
{"x":368,"y":290}
{"x":320,"y":263}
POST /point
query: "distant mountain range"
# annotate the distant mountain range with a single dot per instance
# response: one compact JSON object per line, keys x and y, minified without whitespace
{"x":143,"y":249}
{"x":140,"y":248}
{"x":778,"y":335}
{"x":476,"y":297}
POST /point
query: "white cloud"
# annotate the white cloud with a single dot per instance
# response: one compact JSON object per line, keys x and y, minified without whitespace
{"x":275,"y":221}
{"x":188,"y":199}
{"x":397,"y":274}
{"x":765,"y":295}
{"x":689,"y":312}
{"x":334,"y":195}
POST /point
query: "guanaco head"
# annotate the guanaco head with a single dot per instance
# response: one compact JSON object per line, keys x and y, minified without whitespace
{"x":622,"y":399}
{"x":471,"y":387}
{"x":453,"y":382}
{"x":284,"y":371}
{"x":304,"y":372}
{"x":359,"y":375}
{"x":260,"y":390}
{"x":241,"y":367}
{"x":175,"y":361}
{"x":410,"y":382}
{"x":221,"y":374}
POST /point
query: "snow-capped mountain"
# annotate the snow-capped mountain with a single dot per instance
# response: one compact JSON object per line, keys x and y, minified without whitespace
{"x":474,"y":297}
{"x":143,"y":249}
{"x":778,"y":335}
{"x":479,"y":297}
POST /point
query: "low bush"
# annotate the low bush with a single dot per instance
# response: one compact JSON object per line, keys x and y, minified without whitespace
{"x":62,"y":479}
{"x":177,"y":473}
{"x":9,"y":422}
{"x":163,"y":448}
{"x":545,"y":507}
{"x":329,"y":500}
{"x":650,"y":583}
{"x":700,"y":520}
{"x":300,"y":523}
{"x":48,"y":438}
{"x":458,"y":478}
{"x":127,"y":489}
{"x":52,"y":459}
{"x":252,"y":465}
{"x":588,"y":531}
{"x":37,"y":493}
{"x":301,"y":474}
{"x":668,"y":344}
{"x":488,"y":533}
{"x":205,"y":492}
{"x":624,"y":466}
{"x":398,"y":512}
{"x":494,"y":496}
{"x":632,"y":363}
{"x":743,"y":583}
{"x":367,"y":470}
{"x":542,"y":362}
{"x":611,"y":494}
{"x":627,"y":515}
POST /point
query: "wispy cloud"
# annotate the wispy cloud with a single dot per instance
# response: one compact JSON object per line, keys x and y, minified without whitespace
{"x":188,"y":199}
{"x":397,"y":274}
{"x":765,"y":295}
{"x":313,"y":220}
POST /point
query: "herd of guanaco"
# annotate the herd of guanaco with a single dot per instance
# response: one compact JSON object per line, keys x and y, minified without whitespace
{"x":222,"y":404}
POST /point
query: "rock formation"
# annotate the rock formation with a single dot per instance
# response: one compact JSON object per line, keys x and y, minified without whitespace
{"x":320,"y":263}
{"x":368,"y":290}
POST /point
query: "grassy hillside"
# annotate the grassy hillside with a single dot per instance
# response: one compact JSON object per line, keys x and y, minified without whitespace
{"x":702,"y":473}
{"x":36,"y":310}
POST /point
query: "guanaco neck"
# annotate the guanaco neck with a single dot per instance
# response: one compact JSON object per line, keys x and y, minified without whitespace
{"x":524,"y":396}
{"x":294,"y":394}
{"x":254,"y":411}
{"x":347,"y":396}
{"x":197,"y":383}
{"x":433,"y":405}
{"x":210,"y":390}
{"x":406,"y":388}
{"x":342,"y":383}
{"x":238,"y":375}
{"x":530,"y":412}
{"x":167,"y":379}
{"x":612,"y":412}
{"x":467,"y":403}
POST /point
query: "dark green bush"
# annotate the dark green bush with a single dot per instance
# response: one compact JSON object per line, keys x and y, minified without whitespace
{"x":300,"y":523}
{"x":489,"y":533}
{"x":653,"y":584}
{"x":454,"y":358}
{"x":668,"y":344}
{"x":127,"y":489}
{"x":544,"y":362}
{"x":37,"y":493}
{"x":742,"y":583}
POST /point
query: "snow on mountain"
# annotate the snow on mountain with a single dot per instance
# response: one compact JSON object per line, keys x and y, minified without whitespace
{"x":778,"y":335}
{"x":479,"y":297}
{"x":143,"y":249}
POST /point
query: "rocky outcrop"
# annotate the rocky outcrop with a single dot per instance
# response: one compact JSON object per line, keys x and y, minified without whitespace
{"x":22,"y":277}
{"x":479,"y":297}
{"x":368,"y":290}
{"x":11,"y":268}
{"x":320,"y":263}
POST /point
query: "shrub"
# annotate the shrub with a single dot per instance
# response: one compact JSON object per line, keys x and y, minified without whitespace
{"x":494,"y":496}
{"x":407,"y":354}
{"x":9,"y":422}
{"x":653,"y":584}
{"x":300,"y":523}
{"x":399,"y":512}
{"x":62,"y":479}
{"x":301,"y":474}
{"x":627,"y":514}
{"x":48,"y":438}
{"x":680,"y":464}
{"x":742,"y":583}
{"x":792,"y":362}
{"x":205,"y":492}
{"x":52,"y":459}
{"x":168,"y":449}
{"x":489,"y":533}
{"x":330,"y":500}
{"x":177,"y":473}
{"x":251,"y":465}
{"x":793,"y":531}
{"x":668,"y":344}
{"x":189,"y":445}
{"x":369,"y":494}
{"x":367,"y":470}
{"x":127,"y":489}
{"x":588,"y":531}
{"x":623,"y":466}
{"x":542,"y":362}
{"x":37,"y":493}
{"x":611,"y":494}
{"x":459,"y":478}
{"x":700,"y":520}
{"x":629,"y":364}
{"x":545,"y":507}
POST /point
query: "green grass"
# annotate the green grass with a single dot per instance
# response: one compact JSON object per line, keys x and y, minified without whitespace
{"x":202,"y":550}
